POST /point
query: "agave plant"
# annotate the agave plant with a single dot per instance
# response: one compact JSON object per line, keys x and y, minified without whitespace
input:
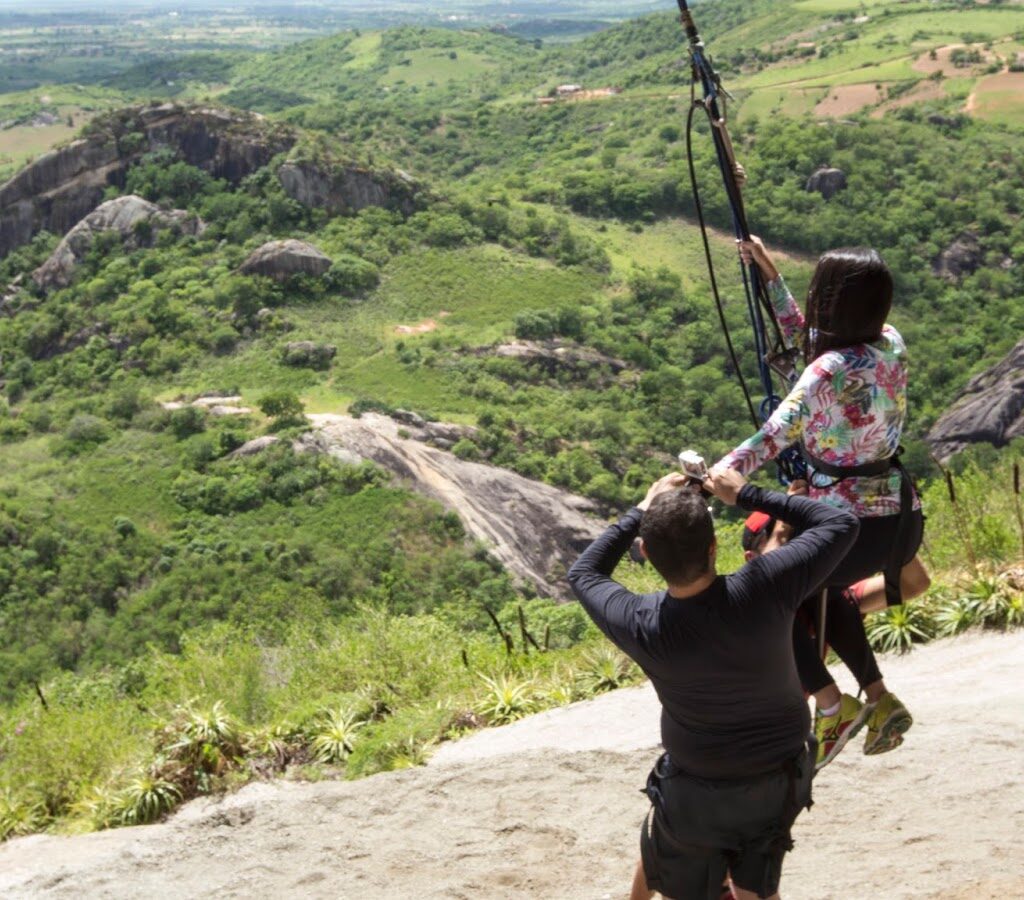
{"x":334,"y":734}
{"x":899,"y":627}
{"x":207,"y":739}
{"x":145,"y":799}
{"x":956,"y":616}
{"x":506,"y":699}
{"x":606,"y":669}
{"x":18,"y":817}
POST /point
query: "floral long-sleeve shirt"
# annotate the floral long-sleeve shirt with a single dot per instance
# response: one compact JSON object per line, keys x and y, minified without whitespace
{"x":848,"y":407}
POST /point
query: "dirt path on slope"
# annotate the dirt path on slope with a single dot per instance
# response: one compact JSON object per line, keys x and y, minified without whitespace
{"x":542,"y":809}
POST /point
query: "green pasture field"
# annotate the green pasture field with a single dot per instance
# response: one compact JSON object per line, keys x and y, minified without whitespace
{"x":366,"y":50}
{"x":676,"y":244}
{"x":855,"y":6}
{"x":481,"y":289}
{"x":1000,"y":98}
{"x":789,"y":101}
{"x":886,"y":48}
{"x":434,"y":65}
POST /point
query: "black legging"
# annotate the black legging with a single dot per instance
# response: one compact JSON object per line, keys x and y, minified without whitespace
{"x":844,"y":625}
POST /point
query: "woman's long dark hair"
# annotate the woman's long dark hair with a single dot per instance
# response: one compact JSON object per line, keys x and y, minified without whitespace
{"x":848,"y":301}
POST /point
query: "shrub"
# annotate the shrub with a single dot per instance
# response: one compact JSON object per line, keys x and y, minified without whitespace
{"x":84,"y":432}
{"x":187,"y":421}
{"x":352,"y":275}
{"x":281,"y":405}
{"x":307,"y":354}
{"x":334,"y":735}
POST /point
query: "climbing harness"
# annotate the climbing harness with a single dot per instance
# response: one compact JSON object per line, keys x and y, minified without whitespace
{"x":775,"y":356}
{"x":825,"y":474}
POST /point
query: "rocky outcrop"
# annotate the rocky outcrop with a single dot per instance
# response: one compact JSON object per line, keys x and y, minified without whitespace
{"x":60,"y":187}
{"x":535,"y":530}
{"x":137,"y":221}
{"x":63,"y":186}
{"x":556,"y":356}
{"x":990,"y":409}
{"x":960,"y":258}
{"x":826,"y":181}
{"x":281,"y":260}
{"x":438,"y":434}
{"x":343,"y":188}
{"x":308,"y":354}
{"x":214,"y":404}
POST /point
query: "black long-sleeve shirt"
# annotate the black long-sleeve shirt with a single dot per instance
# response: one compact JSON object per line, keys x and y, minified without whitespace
{"x":721,"y":661}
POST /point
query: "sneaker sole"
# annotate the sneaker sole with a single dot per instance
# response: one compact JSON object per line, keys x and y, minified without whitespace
{"x":855,"y":726}
{"x":890,"y":735}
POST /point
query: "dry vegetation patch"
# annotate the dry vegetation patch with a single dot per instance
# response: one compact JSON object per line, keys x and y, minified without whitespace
{"x":941,"y":60}
{"x":848,"y":99}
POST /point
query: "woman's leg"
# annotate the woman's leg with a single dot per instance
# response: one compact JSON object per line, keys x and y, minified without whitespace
{"x":814,"y":677}
{"x":844,"y":631}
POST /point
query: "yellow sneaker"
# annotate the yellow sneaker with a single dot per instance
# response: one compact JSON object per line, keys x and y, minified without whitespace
{"x":888,"y":722}
{"x":833,"y":732}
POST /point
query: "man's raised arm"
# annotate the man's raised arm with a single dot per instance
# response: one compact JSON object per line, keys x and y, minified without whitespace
{"x":608,"y":603}
{"x":825,"y":534}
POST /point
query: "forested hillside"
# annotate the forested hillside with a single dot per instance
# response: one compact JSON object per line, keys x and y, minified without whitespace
{"x":480,"y":249}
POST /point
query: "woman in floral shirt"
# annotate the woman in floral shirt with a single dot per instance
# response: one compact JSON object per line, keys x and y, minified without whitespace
{"x":847,"y":409}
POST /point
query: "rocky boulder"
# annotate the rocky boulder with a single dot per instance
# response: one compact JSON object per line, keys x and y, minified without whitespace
{"x":308,"y":354}
{"x":137,"y":221}
{"x":344,"y":188}
{"x":960,"y":258}
{"x":63,"y":186}
{"x":535,"y":530}
{"x":556,"y":356}
{"x":826,"y":181}
{"x":281,"y":260}
{"x":990,"y":409}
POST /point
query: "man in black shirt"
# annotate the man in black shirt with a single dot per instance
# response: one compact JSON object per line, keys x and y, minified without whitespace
{"x":718,"y":651}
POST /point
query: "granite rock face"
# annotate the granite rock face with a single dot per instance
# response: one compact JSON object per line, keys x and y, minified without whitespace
{"x":281,"y":260}
{"x":960,"y":258}
{"x":826,"y":181}
{"x":136,"y":220}
{"x":340,"y":189}
{"x":990,"y":409}
{"x":534,"y":530}
{"x":63,"y":186}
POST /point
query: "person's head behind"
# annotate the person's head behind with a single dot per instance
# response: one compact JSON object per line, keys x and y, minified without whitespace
{"x":762,"y":534}
{"x":678,"y":536}
{"x":848,"y":300}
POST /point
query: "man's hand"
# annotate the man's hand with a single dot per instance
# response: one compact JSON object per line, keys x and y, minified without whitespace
{"x":725,"y":484}
{"x":797,"y":488}
{"x":754,"y":251}
{"x":671,"y":482}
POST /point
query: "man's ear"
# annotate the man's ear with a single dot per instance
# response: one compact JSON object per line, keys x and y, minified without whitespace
{"x":713,"y":551}
{"x":643,"y":549}
{"x":748,"y":555}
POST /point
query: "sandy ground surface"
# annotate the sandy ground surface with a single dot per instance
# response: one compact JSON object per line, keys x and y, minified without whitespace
{"x":549,"y":808}
{"x":848,"y":99}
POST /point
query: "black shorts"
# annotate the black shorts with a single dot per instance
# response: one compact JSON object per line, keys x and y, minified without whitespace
{"x":699,"y":829}
{"x":870,"y":552}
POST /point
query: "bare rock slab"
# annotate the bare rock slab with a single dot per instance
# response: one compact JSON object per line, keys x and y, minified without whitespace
{"x":281,"y":260}
{"x":827,"y":181}
{"x":990,"y":409}
{"x":535,"y":530}
{"x":136,"y":220}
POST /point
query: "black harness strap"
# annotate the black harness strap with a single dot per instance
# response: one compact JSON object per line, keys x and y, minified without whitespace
{"x":897,"y":553}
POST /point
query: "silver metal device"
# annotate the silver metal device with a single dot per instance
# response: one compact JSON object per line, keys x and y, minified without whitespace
{"x":693,"y":465}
